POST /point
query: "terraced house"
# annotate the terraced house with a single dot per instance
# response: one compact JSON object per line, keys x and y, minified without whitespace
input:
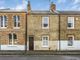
{"x":12,"y":30}
{"x":42,"y":29}
{"x":70,"y":30}
{"x":39,"y":29}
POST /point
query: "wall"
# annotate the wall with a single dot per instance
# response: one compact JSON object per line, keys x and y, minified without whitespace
{"x":4,"y":38}
{"x":35,"y":28}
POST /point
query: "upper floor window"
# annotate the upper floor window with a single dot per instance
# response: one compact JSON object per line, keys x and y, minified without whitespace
{"x":70,"y":22}
{"x":12,"y":39}
{"x":16,"y":21}
{"x":45,"y":22}
{"x":3,"y":21}
{"x":70,"y":40}
{"x":45,"y":41}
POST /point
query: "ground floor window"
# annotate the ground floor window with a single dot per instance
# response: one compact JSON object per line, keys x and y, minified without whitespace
{"x":45,"y":41}
{"x":70,"y":40}
{"x":12,"y":39}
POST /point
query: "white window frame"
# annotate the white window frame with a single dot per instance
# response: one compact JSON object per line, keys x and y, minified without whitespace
{"x":12,"y":39}
{"x":3,"y":22}
{"x":70,"y":20}
{"x":72,"y":38}
{"x":44,"y":41}
{"x":17,"y":21}
{"x":44,"y":22}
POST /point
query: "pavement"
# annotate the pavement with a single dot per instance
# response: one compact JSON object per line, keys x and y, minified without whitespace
{"x":39,"y":52}
{"x":41,"y":57}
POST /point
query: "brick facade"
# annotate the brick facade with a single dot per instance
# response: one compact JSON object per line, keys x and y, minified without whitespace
{"x":4,"y":32}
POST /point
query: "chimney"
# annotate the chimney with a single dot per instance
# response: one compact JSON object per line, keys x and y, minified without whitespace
{"x":52,"y":7}
{"x":28,"y":7}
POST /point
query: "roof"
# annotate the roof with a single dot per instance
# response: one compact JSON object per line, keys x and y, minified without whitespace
{"x":43,"y":12}
{"x":69,"y":12}
{"x":56,"y":12}
{"x":47,"y":12}
{"x":10,"y":10}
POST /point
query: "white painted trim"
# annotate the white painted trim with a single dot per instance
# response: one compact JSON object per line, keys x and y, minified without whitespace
{"x":3,"y":27}
{"x":64,"y":46}
{"x":12,"y":47}
{"x":16,"y":28}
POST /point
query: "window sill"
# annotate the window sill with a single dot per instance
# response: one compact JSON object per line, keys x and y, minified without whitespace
{"x":45,"y":27}
{"x":70,"y":46}
{"x":16,"y":28}
{"x":45,"y":46}
{"x":12,"y":45}
{"x":3,"y":27}
{"x":70,"y":28}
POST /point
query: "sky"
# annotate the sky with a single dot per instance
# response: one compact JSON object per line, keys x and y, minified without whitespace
{"x":41,"y":4}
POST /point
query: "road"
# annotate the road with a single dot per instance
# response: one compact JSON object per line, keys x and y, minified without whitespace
{"x":45,"y":57}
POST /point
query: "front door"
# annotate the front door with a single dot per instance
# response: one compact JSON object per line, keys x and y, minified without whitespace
{"x":31,"y":43}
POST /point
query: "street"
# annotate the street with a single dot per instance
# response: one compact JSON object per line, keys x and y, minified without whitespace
{"x":41,"y":57}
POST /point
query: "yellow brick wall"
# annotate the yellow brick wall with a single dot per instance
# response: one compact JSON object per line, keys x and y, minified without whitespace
{"x":34,"y":27}
{"x":63,"y":27}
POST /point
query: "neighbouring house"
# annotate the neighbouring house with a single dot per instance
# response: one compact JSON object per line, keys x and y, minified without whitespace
{"x":12,"y":30}
{"x":69,"y":30}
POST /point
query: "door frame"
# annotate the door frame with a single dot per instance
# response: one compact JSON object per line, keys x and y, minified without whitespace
{"x":32,"y":42}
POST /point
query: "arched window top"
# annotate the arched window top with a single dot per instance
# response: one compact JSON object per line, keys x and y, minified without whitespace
{"x":12,"y":35}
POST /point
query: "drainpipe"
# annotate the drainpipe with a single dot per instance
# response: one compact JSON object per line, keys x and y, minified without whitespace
{"x":25,"y":32}
{"x":59,"y":34}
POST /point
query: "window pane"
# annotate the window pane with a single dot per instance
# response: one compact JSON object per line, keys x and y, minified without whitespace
{"x":69,"y":24}
{"x":10,"y":38}
{"x":18,"y":21}
{"x":18,"y":18}
{"x":14,"y":36}
{"x":70,"y":41}
{"x":5,"y":21}
{"x":46,"y":20}
{"x":1,"y":21}
{"x":14,"y":21}
{"x":18,"y":24}
{"x":45,"y":25}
